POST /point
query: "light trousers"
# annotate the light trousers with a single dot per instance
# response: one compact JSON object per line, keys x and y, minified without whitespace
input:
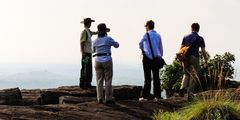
{"x":104,"y":73}
{"x":190,"y":77}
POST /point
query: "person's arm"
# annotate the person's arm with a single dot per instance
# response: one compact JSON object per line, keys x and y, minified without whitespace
{"x":141,"y":44}
{"x":116,"y":44}
{"x":82,"y":47}
{"x":204,"y":53}
{"x":83,"y":38}
{"x":161,"y":46}
{"x":113,"y":42}
{"x":183,"y":43}
{"x":94,"y":32}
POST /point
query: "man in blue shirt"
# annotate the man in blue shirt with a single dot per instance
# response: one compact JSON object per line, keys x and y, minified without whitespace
{"x":151,"y":46}
{"x":191,"y":63}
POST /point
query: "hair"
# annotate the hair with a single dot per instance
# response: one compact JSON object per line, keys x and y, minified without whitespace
{"x":103,"y":34}
{"x":195,"y":27}
{"x":150,"y":24}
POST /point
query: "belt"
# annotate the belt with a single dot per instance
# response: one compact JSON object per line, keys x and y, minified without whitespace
{"x":102,"y":54}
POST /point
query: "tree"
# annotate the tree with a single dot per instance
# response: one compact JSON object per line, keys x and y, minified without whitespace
{"x":220,"y":70}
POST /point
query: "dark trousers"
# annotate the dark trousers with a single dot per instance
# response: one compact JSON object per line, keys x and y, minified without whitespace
{"x":150,"y":68}
{"x":86,"y":71}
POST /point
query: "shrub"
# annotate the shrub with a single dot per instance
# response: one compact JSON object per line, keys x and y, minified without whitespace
{"x":171,"y":76}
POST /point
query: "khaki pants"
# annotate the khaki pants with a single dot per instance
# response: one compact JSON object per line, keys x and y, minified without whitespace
{"x":104,"y":72}
{"x":190,"y":77}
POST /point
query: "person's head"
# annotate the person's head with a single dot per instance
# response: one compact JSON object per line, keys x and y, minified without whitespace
{"x":195,"y":27}
{"x":87,"y":22}
{"x":149,"y":25}
{"x":102,"y":30}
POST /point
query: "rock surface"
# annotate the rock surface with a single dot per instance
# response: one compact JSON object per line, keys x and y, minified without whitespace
{"x":73,"y":103}
{"x":11,"y":97}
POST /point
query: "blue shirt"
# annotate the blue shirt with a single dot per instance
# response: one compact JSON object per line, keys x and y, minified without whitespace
{"x":103,"y":45}
{"x":156,"y":44}
{"x":189,"y":40}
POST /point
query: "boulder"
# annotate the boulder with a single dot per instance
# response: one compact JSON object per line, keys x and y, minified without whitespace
{"x":31,"y":97}
{"x":231,"y":93}
{"x":75,"y":100}
{"x":51,"y":96}
{"x":232,"y":84}
{"x":125,"y":92}
{"x":11,"y":97}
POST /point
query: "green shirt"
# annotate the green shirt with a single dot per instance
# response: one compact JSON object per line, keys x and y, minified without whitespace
{"x":86,"y":38}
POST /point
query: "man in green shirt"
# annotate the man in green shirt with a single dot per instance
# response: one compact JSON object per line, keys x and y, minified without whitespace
{"x":86,"y":50}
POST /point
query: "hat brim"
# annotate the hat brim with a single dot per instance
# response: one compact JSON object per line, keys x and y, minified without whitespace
{"x":87,"y":21}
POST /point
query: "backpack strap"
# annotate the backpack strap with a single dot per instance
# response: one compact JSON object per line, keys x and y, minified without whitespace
{"x":150,"y":45}
{"x":194,"y":42}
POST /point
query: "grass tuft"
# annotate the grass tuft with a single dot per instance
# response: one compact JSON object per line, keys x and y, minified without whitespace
{"x":208,"y":109}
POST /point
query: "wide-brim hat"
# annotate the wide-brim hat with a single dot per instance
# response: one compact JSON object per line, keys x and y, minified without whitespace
{"x":102,"y":28}
{"x":87,"y":20}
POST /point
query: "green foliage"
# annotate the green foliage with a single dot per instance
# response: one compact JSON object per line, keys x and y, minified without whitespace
{"x":211,"y":109}
{"x":216,"y":107}
{"x":171,"y":76}
{"x":224,"y":63}
{"x":220,"y":69}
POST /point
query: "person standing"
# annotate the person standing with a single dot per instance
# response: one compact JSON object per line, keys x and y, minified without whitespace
{"x":103,"y":63}
{"x":151,"y":46}
{"x":86,"y":50}
{"x":191,"y":63}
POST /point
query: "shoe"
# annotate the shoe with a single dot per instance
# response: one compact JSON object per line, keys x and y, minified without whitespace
{"x":181,"y":92}
{"x":157,"y":99}
{"x":142,"y":99}
{"x":110,"y":102}
{"x":90,"y":87}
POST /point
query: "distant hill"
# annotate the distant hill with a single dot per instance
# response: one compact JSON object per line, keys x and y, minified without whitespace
{"x":35,"y":79}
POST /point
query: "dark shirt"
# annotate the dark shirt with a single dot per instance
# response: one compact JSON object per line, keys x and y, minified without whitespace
{"x":189,"y":40}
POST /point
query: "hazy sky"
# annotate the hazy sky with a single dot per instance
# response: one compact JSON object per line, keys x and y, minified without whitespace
{"x":48,"y":31}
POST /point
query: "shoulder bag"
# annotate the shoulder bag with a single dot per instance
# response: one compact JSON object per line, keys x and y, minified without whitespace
{"x":159,"y":62}
{"x":181,"y":55}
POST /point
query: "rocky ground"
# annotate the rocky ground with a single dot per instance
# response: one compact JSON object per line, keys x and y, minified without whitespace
{"x":73,"y":103}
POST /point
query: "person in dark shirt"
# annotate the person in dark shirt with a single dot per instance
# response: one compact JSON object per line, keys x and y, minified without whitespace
{"x":191,"y":64}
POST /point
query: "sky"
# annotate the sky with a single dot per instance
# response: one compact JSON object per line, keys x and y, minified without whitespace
{"x":48,"y":31}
